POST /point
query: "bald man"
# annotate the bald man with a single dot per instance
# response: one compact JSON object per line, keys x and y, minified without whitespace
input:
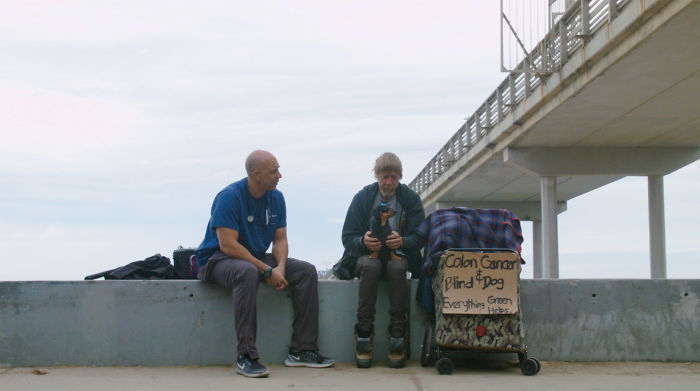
{"x":246,"y":217}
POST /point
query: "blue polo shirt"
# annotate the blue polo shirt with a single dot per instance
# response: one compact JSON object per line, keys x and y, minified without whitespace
{"x":256,"y":220}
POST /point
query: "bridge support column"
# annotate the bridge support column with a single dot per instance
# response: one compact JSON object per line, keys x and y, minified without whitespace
{"x":550,"y":241}
{"x":537,"y":261}
{"x":657,"y":227}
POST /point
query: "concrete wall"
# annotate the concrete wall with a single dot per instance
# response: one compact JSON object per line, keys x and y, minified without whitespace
{"x":164,"y":323}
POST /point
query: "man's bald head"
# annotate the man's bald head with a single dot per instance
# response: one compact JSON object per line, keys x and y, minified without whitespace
{"x":255,"y":160}
{"x":263,"y":172}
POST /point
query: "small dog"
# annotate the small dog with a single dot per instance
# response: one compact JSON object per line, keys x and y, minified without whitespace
{"x":380,"y":229}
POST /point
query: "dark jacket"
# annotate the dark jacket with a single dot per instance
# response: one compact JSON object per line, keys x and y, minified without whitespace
{"x":357,"y":224}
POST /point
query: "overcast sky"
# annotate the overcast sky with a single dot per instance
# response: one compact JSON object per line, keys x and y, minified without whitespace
{"x":120,"y":121}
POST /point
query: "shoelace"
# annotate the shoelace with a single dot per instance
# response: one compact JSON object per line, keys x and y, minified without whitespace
{"x":312,"y":355}
{"x":250,"y":362}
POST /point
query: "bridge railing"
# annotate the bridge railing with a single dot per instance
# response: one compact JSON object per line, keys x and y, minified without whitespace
{"x":568,"y":34}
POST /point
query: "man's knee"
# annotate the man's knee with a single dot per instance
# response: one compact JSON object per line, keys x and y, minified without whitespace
{"x":249,"y":272}
{"x":369,"y":267}
{"x":396,"y":269}
{"x":308,"y":270}
{"x":237,"y":272}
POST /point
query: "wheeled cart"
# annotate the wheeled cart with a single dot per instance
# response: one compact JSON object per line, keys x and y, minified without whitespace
{"x":477,"y":308}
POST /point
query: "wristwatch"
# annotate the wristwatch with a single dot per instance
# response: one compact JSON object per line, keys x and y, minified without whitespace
{"x":267,"y":273}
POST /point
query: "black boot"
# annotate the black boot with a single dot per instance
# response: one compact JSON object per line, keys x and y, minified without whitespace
{"x":396,"y":352}
{"x":364,"y":347}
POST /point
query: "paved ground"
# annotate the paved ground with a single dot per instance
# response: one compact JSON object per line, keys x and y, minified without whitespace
{"x":554,"y":376}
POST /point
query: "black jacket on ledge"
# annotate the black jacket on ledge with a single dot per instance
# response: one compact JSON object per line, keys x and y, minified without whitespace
{"x":357,"y":224}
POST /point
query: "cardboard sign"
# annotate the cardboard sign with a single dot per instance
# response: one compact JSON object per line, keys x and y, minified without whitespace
{"x":480,"y":283}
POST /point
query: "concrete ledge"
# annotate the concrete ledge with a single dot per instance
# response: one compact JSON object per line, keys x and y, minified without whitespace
{"x":164,"y":323}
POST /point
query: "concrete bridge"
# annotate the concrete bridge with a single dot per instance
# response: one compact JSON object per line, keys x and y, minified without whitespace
{"x":612,"y":90}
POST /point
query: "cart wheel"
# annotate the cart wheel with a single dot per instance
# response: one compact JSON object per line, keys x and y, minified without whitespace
{"x":426,"y":350}
{"x":445,"y":366}
{"x":530,"y":366}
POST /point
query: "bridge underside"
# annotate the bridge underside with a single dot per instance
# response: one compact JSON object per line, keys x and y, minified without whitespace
{"x":627,"y":103}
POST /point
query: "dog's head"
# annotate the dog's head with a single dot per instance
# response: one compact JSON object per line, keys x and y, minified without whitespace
{"x":382,"y":212}
{"x":387,"y":212}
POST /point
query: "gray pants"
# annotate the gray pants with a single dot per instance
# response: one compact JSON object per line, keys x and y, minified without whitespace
{"x":369,"y":270}
{"x":243,"y":278}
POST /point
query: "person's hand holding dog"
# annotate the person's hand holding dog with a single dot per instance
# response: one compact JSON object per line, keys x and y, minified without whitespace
{"x":394,"y":240}
{"x":372,"y":243}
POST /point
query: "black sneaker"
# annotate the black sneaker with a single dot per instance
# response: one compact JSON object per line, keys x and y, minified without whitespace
{"x":307,"y":358}
{"x":250,"y":368}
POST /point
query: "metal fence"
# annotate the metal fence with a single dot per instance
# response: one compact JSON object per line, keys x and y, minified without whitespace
{"x":569,"y":32}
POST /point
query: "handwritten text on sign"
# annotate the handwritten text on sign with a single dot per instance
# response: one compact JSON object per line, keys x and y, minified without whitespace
{"x":480,"y":283}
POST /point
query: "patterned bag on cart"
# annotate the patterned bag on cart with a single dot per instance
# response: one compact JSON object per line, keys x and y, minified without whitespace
{"x":489,"y":332}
